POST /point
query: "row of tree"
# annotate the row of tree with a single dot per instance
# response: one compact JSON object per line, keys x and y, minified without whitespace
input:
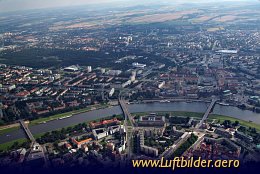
{"x":190,"y":141}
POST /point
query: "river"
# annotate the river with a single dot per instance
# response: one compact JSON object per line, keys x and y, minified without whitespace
{"x":133,"y":108}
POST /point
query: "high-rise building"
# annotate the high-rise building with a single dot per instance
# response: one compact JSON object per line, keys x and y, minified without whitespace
{"x":89,"y":69}
{"x":132,"y":78}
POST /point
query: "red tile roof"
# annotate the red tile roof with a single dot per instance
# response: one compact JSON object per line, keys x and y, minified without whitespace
{"x":114,"y":120}
{"x":81,"y":142}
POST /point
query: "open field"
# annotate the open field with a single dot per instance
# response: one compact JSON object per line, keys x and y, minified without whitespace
{"x":127,"y":14}
{"x":149,"y":16}
{"x":202,"y":19}
{"x":226,"y":18}
{"x":80,"y":25}
{"x":215,"y":29}
{"x":162,"y":17}
{"x":85,"y":25}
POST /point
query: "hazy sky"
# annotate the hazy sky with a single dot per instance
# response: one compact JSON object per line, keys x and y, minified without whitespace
{"x":13,"y":5}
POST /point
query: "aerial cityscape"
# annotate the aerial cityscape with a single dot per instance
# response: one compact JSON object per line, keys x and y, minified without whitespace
{"x":97,"y":86}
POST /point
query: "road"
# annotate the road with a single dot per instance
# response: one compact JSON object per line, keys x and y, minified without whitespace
{"x":168,"y":153}
{"x":129,"y":129}
{"x":27,"y":131}
{"x":205,"y":116}
{"x":126,"y":113}
{"x":42,"y":148}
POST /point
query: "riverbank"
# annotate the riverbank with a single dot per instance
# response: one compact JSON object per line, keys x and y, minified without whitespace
{"x":192,"y":108}
{"x":67,"y":114}
{"x":222,"y":118}
{"x":9,"y":128}
{"x":6,"y":146}
{"x":219,"y":118}
{"x":170,"y":100}
{"x":9,"y":144}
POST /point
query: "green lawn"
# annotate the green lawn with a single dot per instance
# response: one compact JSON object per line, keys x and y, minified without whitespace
{"x":187,"y":114}
{"x":6,"y":146}
{"x":222,"y":118}
{"x":38,"y":135}
{"x":7,"y":130}
{"x":173,"y":113}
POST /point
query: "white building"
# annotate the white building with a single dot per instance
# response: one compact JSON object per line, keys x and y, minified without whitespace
{"x":128,"y":82}
{"x":161,"y":84}
{"x":112,"y":91}
{"x":133,"y":76}
{"x":72,"y":68}
{"x":100,"y":133}
{"x":102,"y":70}
{"x":114,"y":72}
{"x":89,"y":69}
{"x":138,"y":65}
